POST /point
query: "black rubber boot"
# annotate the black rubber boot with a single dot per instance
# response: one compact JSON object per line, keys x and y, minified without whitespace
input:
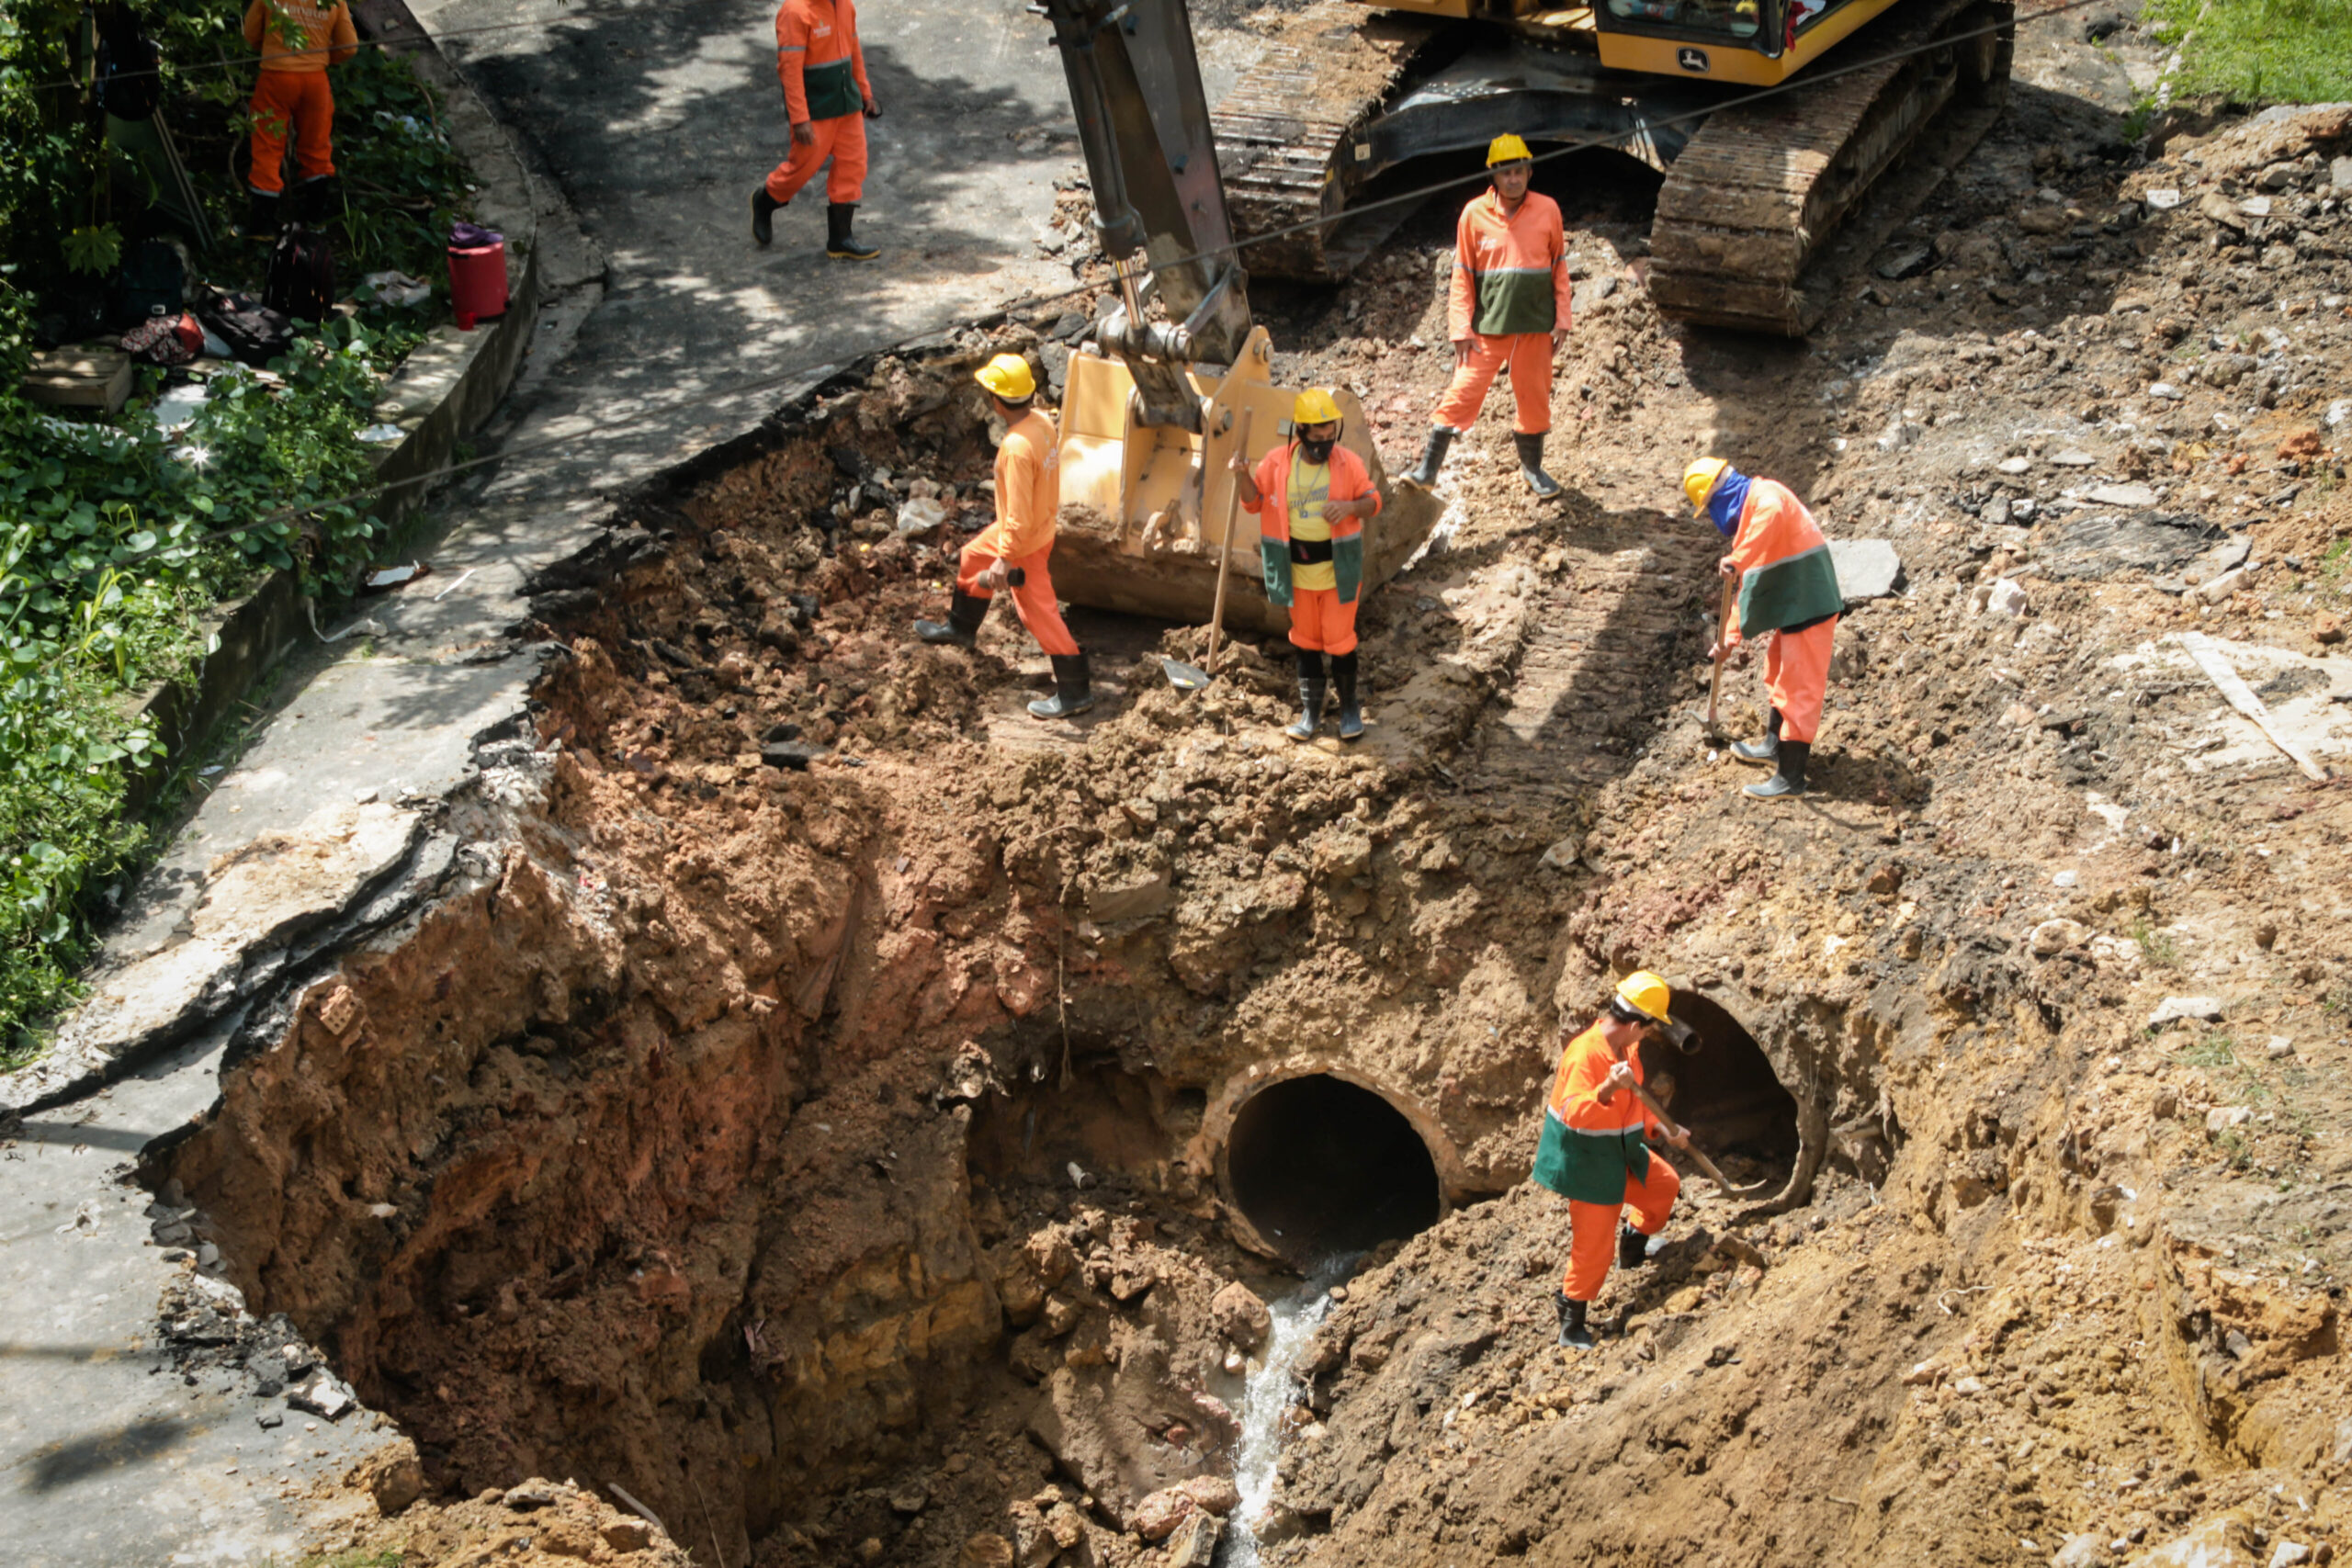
{"x":317,"y":199}
{"x":1789,"y":778}
{"x":1424,"y":474}
{"x":840,"y":243}
{"x":1343,"y":676}
{"x":1765,"y":751}
{"x":763,"y":211}
{"x":261,"y":215}
{"x":962,"y":626}
{"x":1633,"y":1249}
{"x":1073,"y":688}
{"x":1530,"y":467}
{"x":1574,"y":1335}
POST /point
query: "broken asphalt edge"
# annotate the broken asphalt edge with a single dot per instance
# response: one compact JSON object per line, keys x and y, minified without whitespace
{"x":271,"y":974}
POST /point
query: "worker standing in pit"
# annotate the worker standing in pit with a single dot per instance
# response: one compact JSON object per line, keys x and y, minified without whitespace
{"x":297,"y":41}
{"x":1013,"y":551}
{"x":1509,"y":305}
{"x":828,"y":99}
{"x":1595,"y":1151}
{"x":1312,"y":497}
{"x":1788,"y":588}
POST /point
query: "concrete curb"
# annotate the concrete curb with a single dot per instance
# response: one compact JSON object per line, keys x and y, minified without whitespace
{"x":448,"y":387}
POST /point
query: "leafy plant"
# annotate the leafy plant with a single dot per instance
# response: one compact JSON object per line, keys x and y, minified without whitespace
{"x":95,"y":248}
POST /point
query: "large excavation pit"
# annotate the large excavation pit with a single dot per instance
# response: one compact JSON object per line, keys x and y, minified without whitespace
{"x":1321,"y":1168}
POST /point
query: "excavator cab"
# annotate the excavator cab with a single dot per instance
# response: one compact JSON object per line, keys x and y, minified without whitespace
{"x":1755,"y":43}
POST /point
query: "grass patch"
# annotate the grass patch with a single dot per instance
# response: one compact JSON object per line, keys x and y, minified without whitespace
{"x":2213,"y":1051}
{"x":2157,"y":947}
{"x":2260,"y":51}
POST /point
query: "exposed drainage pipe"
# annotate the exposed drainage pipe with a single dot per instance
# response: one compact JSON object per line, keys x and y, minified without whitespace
{"x":1314,"y":1160}
{"x":1733,"y":1076}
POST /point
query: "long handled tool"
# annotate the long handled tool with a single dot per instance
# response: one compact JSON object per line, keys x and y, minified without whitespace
{"x":1706,"y":1166}
{"x":1723,"y":654}
{"x":1185,"y":677}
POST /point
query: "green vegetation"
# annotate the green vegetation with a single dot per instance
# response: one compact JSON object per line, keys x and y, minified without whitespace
{"x":2260,"y":51}
{"x":2212,"y":1051}
{"x":2159,"y":948}
{"x":115,"y":537}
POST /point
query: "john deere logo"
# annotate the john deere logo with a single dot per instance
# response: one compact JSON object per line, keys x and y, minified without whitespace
{"x":1691,"y":59}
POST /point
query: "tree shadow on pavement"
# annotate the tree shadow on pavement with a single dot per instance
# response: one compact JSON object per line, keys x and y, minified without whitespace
{"x":62,"y":1464}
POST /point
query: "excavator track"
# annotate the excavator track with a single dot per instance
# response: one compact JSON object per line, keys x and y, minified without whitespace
{"x":1771,"y":203}
{"x":1281,"y":131}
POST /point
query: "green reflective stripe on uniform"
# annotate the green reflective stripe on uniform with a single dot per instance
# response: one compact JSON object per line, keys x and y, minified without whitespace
{"x":1276,"y":556}
{"x":1590,"y":1168}
{"x":832,"y":90}
{"x":1514,"y":300}
{"x":1346,"y":566}
{"x":1790,"y":591}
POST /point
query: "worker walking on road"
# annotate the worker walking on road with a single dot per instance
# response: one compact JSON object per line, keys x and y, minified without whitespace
{"x":1509,"y":305}
{"x":1312,"y":497}
{"x":297,"y":40}
{"x":829,"y":100}
{"x":1788,"y":588}
{"x":1012,"y":552}
{"x":1595,"y":1151}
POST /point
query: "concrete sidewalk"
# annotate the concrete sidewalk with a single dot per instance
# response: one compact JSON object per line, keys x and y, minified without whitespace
{"x":126,"y":1441}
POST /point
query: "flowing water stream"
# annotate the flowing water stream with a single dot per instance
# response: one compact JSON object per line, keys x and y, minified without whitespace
{"x":1270,"y":1392}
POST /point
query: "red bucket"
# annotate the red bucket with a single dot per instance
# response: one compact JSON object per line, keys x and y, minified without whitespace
{"x":477,"y":282}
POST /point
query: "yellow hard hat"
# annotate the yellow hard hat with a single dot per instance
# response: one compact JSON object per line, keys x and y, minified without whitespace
{"x":1008,"y":376}
{"x":1699,"y":481}
{"x":1647,"y":995}
{"x":1315,"y":406}
{"x":1508,"y":150}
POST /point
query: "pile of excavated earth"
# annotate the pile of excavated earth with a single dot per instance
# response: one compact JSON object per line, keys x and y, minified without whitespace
{"x":827,"y":1118}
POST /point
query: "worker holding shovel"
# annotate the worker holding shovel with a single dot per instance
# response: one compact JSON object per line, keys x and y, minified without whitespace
{"x":1312,"y":497}
{"x":1014,"y":551}
{"x":1595,"y":1150}
{"x":1788,"y":589}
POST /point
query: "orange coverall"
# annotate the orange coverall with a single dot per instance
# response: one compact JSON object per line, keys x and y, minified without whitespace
{"x":822,"y":67}
{"x":1323,"y":598}
{"x":1586,"y":1150}
{"x":1774,"y":527}
{"x":297,"y":41}
{"x":1028,"y":498}
{"x":1511,"y":291}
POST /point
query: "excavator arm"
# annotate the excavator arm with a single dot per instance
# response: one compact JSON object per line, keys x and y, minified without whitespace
{"x":1143,"y":119}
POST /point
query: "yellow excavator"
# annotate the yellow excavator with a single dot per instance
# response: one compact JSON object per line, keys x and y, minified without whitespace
{"x":1764,"y":204}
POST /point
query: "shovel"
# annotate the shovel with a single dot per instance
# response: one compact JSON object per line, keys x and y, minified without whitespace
{"x":1706,"y":1166}
{"x":1180,"y":675}
{"x":1715,"y":681}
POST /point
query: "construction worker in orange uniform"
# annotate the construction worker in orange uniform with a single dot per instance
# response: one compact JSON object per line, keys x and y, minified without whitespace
{"x":829,"y":100}
{"x":297,"y":41}
{"x":1011,"y":551}
{"x":1311,"y":498}
{"x":1509,"y":305}
{"x":1595,"y":1151}
{"x":1788,"y":588}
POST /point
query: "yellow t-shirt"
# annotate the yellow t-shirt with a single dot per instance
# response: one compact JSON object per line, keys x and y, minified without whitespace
{"x":1310,"y":487}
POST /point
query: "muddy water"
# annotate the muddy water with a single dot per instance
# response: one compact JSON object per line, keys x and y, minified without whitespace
{"x":1270,"y":1392}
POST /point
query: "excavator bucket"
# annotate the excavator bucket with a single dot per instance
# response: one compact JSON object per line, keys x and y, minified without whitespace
{"x":1143,"y":505}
